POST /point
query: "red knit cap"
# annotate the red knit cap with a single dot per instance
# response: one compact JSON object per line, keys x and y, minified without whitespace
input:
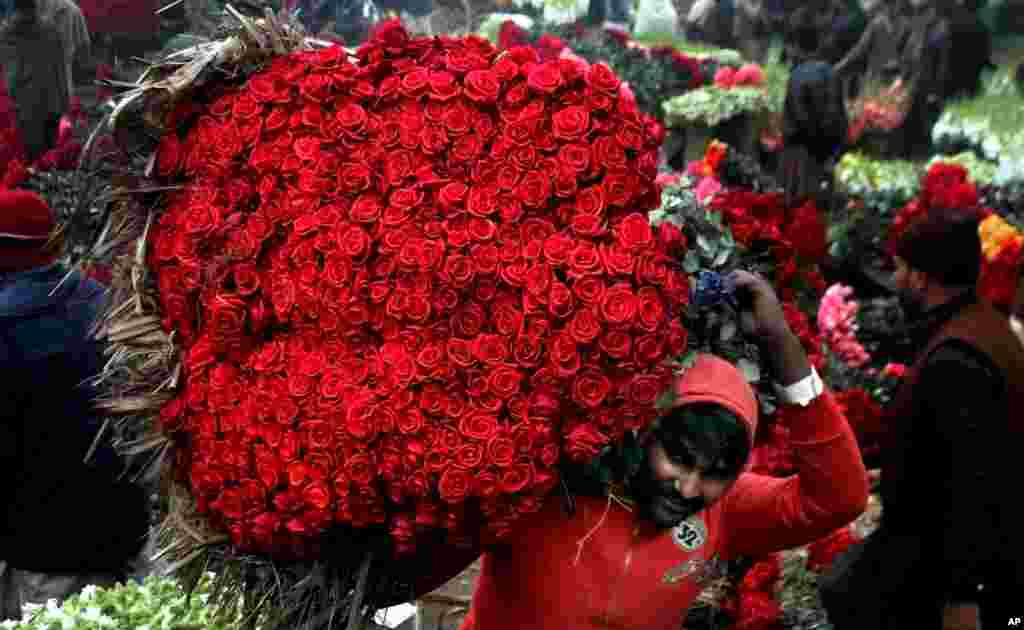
{"x":26,"y":224}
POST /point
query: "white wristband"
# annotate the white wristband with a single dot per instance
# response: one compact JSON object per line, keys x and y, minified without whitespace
{"x":802,"y":392}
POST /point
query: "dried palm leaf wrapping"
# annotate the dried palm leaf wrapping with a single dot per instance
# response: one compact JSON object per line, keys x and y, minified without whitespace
{"x":382,"y":343}
{"x":107,"y":224}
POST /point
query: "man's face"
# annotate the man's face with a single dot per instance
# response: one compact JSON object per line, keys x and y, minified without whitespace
{"x":909,"y":285}
{"x":679,"y":484}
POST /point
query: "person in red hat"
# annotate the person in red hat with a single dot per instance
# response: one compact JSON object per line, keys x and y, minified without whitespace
{"x":635,"y":553}
{"x":64,"y":523}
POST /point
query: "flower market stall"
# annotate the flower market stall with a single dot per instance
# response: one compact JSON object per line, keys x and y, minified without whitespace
{"x":369,"y":304}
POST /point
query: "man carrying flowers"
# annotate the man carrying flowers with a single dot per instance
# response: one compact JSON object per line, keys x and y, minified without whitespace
{"x":677,"y":502}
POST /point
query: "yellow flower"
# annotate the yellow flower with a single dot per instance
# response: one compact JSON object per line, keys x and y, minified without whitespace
{"x":995,"y":234}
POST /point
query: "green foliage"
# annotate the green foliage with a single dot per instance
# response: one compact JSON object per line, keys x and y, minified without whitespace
{"x":712,"y":105}
{"x":156,"y":604}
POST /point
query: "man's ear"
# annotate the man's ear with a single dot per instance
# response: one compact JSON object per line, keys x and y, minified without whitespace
{"x":918,"y":280}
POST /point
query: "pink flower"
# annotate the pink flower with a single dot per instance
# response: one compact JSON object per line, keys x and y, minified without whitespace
{"x":725,"y":77}
{"x":626,"y":93}
{"x":894,"y":370}
{"x":837,"y":321}
{"x":750,"y":74}
{"x":668,"y":179}
{"x":707,"y":188}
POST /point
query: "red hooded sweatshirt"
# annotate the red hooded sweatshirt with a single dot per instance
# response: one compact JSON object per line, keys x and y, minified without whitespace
{"x":603,"y":567}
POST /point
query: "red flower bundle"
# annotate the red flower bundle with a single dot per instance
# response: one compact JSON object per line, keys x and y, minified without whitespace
{"x":406,"y":286}
{"x":823,"y":552}
{"x":865,"y":418}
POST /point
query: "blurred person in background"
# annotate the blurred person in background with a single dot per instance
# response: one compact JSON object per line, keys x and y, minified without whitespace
{"x":814,"y":123}
{"x":67,"y":19}
{"x":64,"y":523}
{"x":37,"y":80}
{"x":876,"y":56}
{"x":950,"y":527}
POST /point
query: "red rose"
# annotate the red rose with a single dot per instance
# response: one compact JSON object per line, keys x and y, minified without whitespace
{"x":585,"y":260}
{"x":545,"y":78}
{"x":454,"y":486}
{"x":501,"y":451}
{"x":570,"y":123}
{"x":584,"y":443}
{"x":560,"y":301}
{"x":585,"y":326}
{"x":459,"y":271}
{"x":617,"y":260}
{"x":526,"y":350}
{"x":490,"y":349}
{"x":443,"y":86}
{"x":671,"y":238}
{"x":565,"y":356}
{"x":482,"y":86}
{"x":535,"y":189}
{"x":485,"y":484}
{"x":589,"y":290}
{"x":587,"y":225}
{"x":227,"y":317}
{"x":634,"y":233}
{"x":600,"y":77}
{"x":651,"y":310}
{"x":415,"y":83}
{"x":644,"y":390}
{"x":616,"y":344}
{"x":591,"y":201}
{"x":515,"y":478}
{"x":479,"y":426}
{"x":650,"y":349}
{"x":469,"y":456}
{"x":619,"y":305}
{"x":575,"y":157}
{"x":504,"y":381}
{"x":590,"y":389}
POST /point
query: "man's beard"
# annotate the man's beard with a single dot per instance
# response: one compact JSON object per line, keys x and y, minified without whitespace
{"x":911,"y":304}
{"x":659,"y":502}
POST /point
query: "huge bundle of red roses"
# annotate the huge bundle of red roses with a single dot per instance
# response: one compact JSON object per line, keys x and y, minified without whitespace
{"x":947,"y":186}
{"x":407,"y":286}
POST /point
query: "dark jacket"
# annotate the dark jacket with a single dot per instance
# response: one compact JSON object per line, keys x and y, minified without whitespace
{"x":57,"y":513}
{"x":951,"y":520}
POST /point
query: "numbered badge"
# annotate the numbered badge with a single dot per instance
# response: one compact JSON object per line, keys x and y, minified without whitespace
{"x":690,"y":534}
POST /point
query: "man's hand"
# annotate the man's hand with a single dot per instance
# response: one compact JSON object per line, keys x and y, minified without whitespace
{"x":961,"y":617}
{"x":764,"y":319}
{"x":762,"y":316}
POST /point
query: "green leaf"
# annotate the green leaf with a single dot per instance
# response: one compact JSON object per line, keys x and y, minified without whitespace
{"x":691,"y":263}
{"x":665,"y":401}
{"x":707,"y":247}
{"x":751,"y":371}
{"x":722,"y":257}
{"x":688,"y":361}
